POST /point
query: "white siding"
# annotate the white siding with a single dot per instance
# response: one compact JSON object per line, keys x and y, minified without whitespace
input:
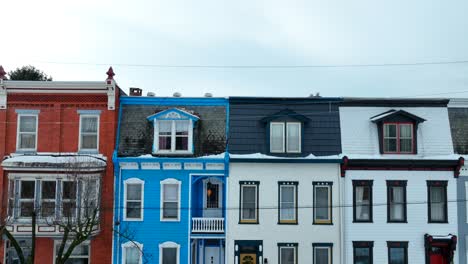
{"x":268,"y":229}
{"x":359,"y":134}
{"x":380,"y":231}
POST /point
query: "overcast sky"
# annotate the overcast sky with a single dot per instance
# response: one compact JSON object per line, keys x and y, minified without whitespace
{"x":78,"y":40}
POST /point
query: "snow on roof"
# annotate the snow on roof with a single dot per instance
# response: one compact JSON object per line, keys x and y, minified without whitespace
{"x":55,"y":161}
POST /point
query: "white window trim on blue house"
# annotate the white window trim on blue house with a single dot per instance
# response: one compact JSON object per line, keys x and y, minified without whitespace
{"x":161,"y":214}
{"x":169,"y":244}
{"x":173,"y":115}
{"x":134,"y":181}
{"x":132,"y":244}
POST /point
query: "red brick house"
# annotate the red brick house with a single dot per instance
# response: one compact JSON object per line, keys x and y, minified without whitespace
{"x":50,"y":130}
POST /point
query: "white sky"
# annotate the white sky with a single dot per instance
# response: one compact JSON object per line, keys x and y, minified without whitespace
{"x":214,"y":32}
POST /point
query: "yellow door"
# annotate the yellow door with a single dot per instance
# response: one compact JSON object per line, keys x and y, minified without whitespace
{"x":248,"y":258}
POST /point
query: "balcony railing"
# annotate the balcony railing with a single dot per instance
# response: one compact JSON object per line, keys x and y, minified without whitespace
{"x":207,"y":225}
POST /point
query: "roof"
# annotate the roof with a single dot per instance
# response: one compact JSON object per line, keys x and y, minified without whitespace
{"x":67,"y":162}
{"x":395,"y":102}
{"x":285,"y":113}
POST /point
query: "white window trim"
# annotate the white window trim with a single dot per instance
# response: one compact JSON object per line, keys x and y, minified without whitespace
{"x":33,"y":200}
{"x":156,"y":149}
{"x":295,"y":253}
{"x":271,"y":138}
{"x":295,"y":203}
{"x":244,"y":220}
{"x":132,"y":244}
{"x":161,"y":214}
{"x":169,"y":244}
{"x":134,"y":181}
{"x":328,"y":248}
{"x":97,"y":132}
{"x":18,"y":133}
{"x":86,"y":243}
{"x":323,"y":221}
{"x":299,"y":138}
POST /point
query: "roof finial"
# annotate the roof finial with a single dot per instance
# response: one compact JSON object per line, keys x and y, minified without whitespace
{"x":2,"y":73}
{"x":110,"y":73}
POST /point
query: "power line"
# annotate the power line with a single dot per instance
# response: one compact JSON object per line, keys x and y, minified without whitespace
{"x":198,"y":66}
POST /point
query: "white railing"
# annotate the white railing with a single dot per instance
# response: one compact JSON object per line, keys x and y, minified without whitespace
{"x":207,"y":225}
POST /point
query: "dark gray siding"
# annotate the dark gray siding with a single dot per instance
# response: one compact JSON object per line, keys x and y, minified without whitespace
{"x":136,"y":132}
{"x":248,"y":134}
{"x":459,"y":126}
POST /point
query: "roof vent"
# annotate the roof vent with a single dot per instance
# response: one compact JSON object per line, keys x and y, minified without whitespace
{"x":208,"y":95}
{"x":177,"y":94}
{"x":135,"y":91}
{"x":150,"y":94}
{"x":315,"y":95}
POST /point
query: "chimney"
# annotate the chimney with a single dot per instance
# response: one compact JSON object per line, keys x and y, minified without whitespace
{"x":135,"y":91}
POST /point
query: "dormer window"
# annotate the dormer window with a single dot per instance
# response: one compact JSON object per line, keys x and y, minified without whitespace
{"x":173,"y":131}
{"x":285,"y":132}
{"x":397,"y":131}
{"x":398,"y":138}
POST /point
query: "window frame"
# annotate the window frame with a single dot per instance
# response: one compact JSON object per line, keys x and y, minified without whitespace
{"x":18,"y":132}
{"x":169,"y":244}
{"x":26,"y":200}
{"x":398,"y":138}
{"x":329,"y":186}
{"x":132,"y":244}
{"x":328,"y":246}
{"x":363,"y":183}
{"x":285,"y":142}
{"x":390,"y":185}
{"x":437,"y":184}
{"x":85,"y":243}
{"x":62,"y":200}
{"x":80,"y":135}
{"x":173,"y":151}
{"x":254,"y":184}
{"x":398,"y":244}
{"x":142,"y":198}
{"x":288,"y":245}
{"x":364,"y":244}
{"x":48,"y":200}
{"x":170,"y":181}
{"x":293,"y":184}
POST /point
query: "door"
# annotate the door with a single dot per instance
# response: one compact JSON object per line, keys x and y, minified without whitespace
{"x":213,"y":198}
{"x":248,"y":258}
{"x":437,"y":256}
{"x":212,"y":255}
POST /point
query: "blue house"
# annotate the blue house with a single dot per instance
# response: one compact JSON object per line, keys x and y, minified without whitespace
{"x":170,"y":180}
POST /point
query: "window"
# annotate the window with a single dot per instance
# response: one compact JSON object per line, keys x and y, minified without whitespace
{"x":397,"y":252}
{"x":169,"y":253}
{"x":48,"y":198}
{"x":362,"y":200}
{"x":170,"y":200}
{"x":398,"y":138}
{"x":79,"y":255}
{"x":89,"y":132}
{"x":362,"y":252}
{"x":27,"y":132}
{"x":133,"y":199}
{"x":69,"y":199}
{"x":396,"y":201}
{"x":287,"y":202}
{"x":27,"y":196}
{"x":287,"y":253}
{"x":248,"y":213}
{"x":322,"y":253}
{"x":174,"y":136}
{"x":437,"y":201}
{"x":11,"y":196}
{"x":11,"y":257}
{"x":132,"y":253}
{"x":322,"y":202}
{"x":282,"y":141}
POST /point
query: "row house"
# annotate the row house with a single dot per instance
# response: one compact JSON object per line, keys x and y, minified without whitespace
{"x":284,"y":181}
{"x":400,"y":183}
{"x":56,"y":140}
{"x":458,"y":115}
{"x":170,"y":180}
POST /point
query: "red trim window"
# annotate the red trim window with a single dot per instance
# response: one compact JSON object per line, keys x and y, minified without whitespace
{"x":398,"y":138}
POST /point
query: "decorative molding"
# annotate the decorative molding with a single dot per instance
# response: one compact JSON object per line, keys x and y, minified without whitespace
{"x":150,"y":165}
{"x":214,"y":166}
{"x":193,"y":166}
{"x":172,"y":166}
{"x":128,"y":165}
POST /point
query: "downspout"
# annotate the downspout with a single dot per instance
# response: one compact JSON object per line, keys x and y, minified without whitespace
{"x":342,"y":189}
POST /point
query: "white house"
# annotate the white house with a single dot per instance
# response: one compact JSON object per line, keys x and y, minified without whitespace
{"x":400,"y":176}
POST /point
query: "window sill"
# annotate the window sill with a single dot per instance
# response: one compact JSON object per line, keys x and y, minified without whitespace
{"x":169,"y":220}
{"x":248,"y":222}
{"x":322,"y":223}
{"x":133,"y":219}
{"x":437,"y":222}
{"x":363,"y":221}
{"x":397,"y":222}
{"x":88,"y":151}
{"x":288,"y":223}
{"x":26,"y":151}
